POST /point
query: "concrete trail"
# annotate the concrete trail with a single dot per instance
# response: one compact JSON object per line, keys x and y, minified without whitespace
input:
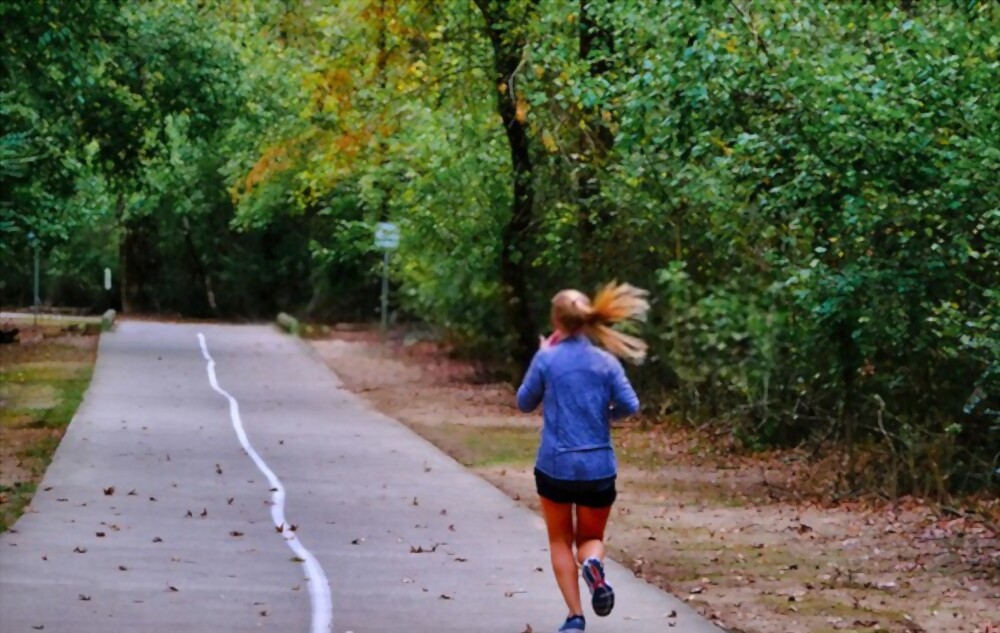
{"x":155,"y":517}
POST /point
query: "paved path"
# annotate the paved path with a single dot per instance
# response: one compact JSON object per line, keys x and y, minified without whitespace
{"x":185,"y":542}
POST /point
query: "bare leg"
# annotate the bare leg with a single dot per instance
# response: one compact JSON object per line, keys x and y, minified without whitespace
{"x":590,"y":526}
{"x":559,"y":521}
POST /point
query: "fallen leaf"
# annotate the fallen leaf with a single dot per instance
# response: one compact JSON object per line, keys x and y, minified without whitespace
{"x":236,"y":533}
{"x":80,"y":550}
{"x":172,"y":588}
{"x":109,"y":491}
{"x":84,"y":598}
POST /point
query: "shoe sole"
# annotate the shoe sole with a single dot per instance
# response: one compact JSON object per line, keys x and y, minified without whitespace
{"x":603,"y":601}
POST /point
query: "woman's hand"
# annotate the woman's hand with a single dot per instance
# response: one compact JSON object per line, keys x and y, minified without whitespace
{"x":554,"y":338}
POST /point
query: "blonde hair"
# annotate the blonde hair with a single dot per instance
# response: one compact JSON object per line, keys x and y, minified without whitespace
{"x":573,"y":312}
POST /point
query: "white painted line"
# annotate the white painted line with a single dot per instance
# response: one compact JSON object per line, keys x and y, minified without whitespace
{"x":319,"y":586}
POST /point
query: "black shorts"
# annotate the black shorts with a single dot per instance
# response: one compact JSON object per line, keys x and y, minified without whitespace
{"x":599,"y":493}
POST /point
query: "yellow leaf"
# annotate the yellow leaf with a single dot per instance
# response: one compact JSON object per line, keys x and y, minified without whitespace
{"x":549,"y":142}
{"x":521,"y":112}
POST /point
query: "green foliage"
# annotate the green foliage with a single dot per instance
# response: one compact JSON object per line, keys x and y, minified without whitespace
{"x":807,"y":188}
{"x":821,"y":177}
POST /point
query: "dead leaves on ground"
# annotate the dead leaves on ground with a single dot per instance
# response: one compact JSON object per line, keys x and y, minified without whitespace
{"x":419,"y":549}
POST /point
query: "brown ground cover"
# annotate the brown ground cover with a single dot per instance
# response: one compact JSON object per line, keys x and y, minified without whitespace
{"x":42,"y":380}
{"x":752,"y":541}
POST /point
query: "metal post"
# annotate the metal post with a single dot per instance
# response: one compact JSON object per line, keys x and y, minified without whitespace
{"x":385,"y":292}
{"x":38,"y":298}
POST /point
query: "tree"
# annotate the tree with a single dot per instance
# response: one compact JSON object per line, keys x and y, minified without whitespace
{"x":506,"y":28}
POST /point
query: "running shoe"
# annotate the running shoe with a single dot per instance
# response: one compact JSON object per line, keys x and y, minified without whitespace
{"x":602,"y":596}
{"x":573,"y":623}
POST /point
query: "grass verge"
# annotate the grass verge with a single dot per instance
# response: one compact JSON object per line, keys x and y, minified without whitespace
{"x":483,"y":446}
{"x":42,"y":382}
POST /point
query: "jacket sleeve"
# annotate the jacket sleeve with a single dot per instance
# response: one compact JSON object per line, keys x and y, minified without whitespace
{"x":530,"y":393}
{"x":624,"y":402}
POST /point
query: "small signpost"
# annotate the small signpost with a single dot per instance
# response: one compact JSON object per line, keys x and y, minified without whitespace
{"x":33,"y":241}
{"x":387,"y":239}
{"x":107,"y":286}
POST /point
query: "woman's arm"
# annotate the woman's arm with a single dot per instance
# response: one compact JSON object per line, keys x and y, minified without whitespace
{"x":532,"y":389}
{"x":624,"y":401}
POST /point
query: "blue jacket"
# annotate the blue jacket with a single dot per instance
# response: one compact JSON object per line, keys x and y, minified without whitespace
{"x":583,"y":388}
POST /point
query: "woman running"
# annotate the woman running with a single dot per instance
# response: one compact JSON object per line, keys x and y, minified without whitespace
{"x":583,"y":389}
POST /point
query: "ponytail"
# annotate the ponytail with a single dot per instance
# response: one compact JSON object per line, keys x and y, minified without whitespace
{"x":618,"y":303}
{"x":614,"y":303}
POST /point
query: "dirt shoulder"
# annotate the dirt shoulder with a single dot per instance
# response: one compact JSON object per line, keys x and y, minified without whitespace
{"x":729,"y":534}
{"x":43,"y":377}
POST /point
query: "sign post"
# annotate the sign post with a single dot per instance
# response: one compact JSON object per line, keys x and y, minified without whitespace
{"x":33,"y":241}
{"x":107,"y":285}
{"x":387,"y":239}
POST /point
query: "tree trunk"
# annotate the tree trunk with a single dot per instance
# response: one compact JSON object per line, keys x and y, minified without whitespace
{"x":596,"y":45}
{"x":123,"y":259}
{"x":508,"y":43}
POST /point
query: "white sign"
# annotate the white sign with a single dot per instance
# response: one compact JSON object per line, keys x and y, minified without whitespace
{"x":387,"y":235}
{"x":107,"y":279}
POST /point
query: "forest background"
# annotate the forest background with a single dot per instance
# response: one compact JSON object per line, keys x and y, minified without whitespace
{"x":807,"y":188}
